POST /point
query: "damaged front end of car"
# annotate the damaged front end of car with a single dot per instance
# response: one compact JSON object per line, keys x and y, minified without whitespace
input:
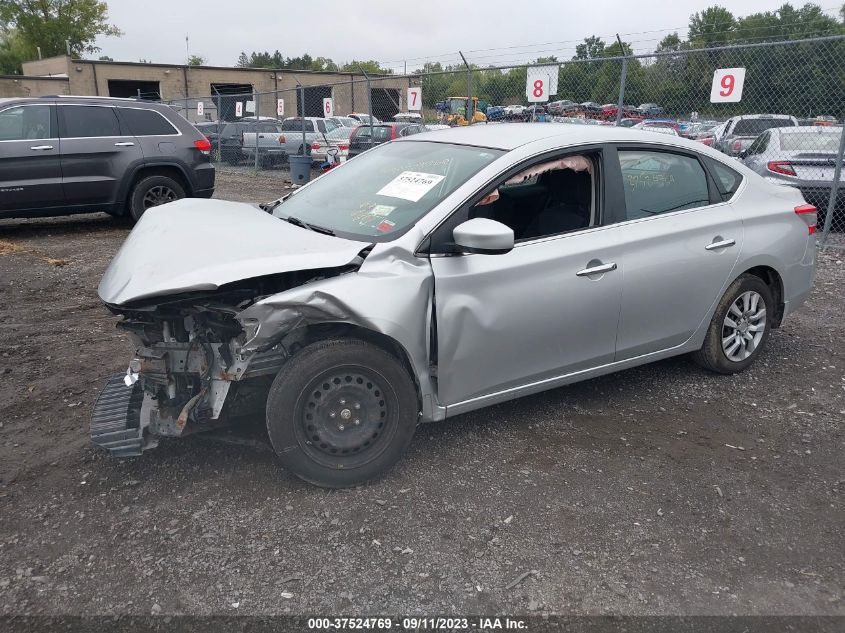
{"x":199,"y":362}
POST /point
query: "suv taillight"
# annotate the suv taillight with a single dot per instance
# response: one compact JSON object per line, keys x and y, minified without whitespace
{"x":781,"y":167}
{"x":809,"y":214}
{"x":203,"y":145}
{"x":281,"y":139}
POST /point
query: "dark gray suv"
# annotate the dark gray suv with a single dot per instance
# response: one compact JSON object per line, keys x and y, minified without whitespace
{"x":63,"y":155}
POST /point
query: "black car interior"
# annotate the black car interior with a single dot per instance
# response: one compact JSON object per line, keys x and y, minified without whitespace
{"x":548,"y":203}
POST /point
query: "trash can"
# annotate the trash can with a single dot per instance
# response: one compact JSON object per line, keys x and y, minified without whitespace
{"x":300,"y":169}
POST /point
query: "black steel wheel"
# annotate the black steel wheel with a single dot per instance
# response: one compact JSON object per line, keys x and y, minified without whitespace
{"x":341,"y":412}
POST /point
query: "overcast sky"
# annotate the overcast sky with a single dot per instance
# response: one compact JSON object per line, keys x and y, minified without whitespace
{"x":494,"y":31}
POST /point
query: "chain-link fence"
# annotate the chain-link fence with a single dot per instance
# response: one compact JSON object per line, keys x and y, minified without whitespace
{"x":775,"y":106}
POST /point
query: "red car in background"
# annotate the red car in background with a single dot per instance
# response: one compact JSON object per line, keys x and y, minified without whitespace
{"x":610,"y":110}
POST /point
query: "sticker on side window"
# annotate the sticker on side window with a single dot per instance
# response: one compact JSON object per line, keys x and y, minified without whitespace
{"x":410,"y":185}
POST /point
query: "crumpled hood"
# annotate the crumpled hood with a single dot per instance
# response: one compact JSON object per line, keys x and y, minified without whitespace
{"x":197,"y":244}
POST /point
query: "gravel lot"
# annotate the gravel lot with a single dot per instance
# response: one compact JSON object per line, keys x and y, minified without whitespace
{"x":661,"y":489}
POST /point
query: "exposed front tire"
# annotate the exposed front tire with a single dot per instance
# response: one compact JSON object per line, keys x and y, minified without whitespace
{"x":341,"y":412}
{"x":151,"y":192}
{"x":740,"y":327}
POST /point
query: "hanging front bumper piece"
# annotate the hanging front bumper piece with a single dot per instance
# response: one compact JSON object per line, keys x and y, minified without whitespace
{"x":116,"y":419}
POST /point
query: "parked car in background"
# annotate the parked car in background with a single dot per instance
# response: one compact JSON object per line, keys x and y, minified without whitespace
{"x":63,"y":155}
{"x":440,"y":274}
{"x":363,"y":118}
{"x":801,"y":157}
{"x":630,"y":121}
{"x":650,"y":110}
{"x":408,"y":117}
{"x":655,"y":127}
{"x":265,"y":138}
{"x":739,"y":132}
{"x":230,"y":140}
{"x":701,"y":131}
{"x":562,"y":107}
{"x":535,"y":112}
{"x":514,"y":111}
{"x":590,"y":109}
{"x":334,"y":143}
{"x":344,"y":121}
{"x":315,"y":129}
{"x":495,"y":113}
{"x":361,"y":140}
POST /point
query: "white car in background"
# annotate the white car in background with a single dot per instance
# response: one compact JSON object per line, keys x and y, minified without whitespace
{"x":334,"y":143}
{"x":654,"y":127}
{"x":345,"y":121}
{"x":514,"y":110}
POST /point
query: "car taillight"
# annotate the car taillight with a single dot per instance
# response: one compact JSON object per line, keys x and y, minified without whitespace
{"x":203,"y":145}
{"x":737,"y":146}
{"x":809,"y":214}
{"x":281,"y":139}
{"x":315,"y":146}
{"x":781,"y":167}
{"x":392,"y":132}
{"x":343,"y":147}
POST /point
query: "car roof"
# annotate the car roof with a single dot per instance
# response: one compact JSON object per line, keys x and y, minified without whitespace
{"x":509,"y":136}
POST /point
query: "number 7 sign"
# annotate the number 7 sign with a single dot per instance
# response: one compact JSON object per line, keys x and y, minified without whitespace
{"x":727,"y":85}
{"x":414,"y":99}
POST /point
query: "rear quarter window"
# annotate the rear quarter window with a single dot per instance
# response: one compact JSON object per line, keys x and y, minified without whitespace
{"x":727,"y":180}
{"x":143,"y":122}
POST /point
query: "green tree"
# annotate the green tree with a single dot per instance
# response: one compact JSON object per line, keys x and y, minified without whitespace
{"x":714,"y":26}
{"x":196,"y":60}
{"x":13,"y":52}
{"x":370,"y":66}
{"x":50,"y":24}
{"x":591,"y":48}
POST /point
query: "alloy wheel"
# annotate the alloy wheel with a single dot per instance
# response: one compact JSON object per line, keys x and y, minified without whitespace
{"x":744,"y":325}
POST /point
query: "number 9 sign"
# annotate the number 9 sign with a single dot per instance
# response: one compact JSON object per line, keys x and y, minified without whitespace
{"x":727,"y":85}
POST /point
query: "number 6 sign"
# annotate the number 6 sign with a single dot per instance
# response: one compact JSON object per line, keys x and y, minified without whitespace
{"x":328,"y":107}
{"x":727,"y":85}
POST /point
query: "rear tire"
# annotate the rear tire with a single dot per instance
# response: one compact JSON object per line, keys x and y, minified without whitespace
{"x":151,"y":192}
{"x":341,"y":413}
{"x":740,"y":327}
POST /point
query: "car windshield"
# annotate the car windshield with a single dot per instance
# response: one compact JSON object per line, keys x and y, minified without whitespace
{"x":755,"y":127}
{"x":827,"y":141}
{"x":380,"y":194}
{"x":380,"y":133}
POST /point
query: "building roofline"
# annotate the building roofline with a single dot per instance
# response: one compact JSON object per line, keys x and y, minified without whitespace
{"x":290,"y":71}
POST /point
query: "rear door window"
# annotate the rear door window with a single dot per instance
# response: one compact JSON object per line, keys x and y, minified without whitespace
{"x":26,"y":123}
{"x":661,"y":182}
{"x":80,"y":121}
{"x":727,"y":180}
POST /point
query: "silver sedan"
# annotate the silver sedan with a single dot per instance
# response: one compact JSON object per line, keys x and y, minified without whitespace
{"x":439,"y":274}
{"x":801,"y":157}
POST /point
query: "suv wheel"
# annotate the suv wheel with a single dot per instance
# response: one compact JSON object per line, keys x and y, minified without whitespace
{"x":151,"y":192}
{"x":341,"y":412}
{"x":740,"y":327}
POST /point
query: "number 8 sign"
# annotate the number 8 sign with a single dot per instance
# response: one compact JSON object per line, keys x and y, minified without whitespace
{"x":727,"y":85}
{"x":537,"y":85}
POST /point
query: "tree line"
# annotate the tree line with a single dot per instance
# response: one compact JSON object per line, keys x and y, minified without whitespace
{"x":804,"y":79}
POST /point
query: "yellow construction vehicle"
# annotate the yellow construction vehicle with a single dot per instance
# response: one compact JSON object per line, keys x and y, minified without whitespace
{"x":457,"y":111}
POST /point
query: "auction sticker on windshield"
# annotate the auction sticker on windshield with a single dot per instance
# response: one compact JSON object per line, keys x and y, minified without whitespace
{"x":410,"y":185}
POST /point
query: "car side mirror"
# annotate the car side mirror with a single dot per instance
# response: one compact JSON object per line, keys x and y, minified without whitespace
{"x":743,"y":154}
{"x":484,"y":236}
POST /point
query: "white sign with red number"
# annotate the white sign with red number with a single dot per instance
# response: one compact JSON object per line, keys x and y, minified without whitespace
{"x":414,"y":99}
{"x":200,"y":108}
{"x":541,"y":83}
{"x":280,"y":107}
{"x":239,"y":108}
{"x":727,"y":85}
{"x":328,"y":107}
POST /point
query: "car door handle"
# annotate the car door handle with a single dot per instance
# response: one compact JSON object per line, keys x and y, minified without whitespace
{"x":596,"y":270}
{"x":717,"y":245}
{"x":125,"y":144}
{"x":36,"y":148}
